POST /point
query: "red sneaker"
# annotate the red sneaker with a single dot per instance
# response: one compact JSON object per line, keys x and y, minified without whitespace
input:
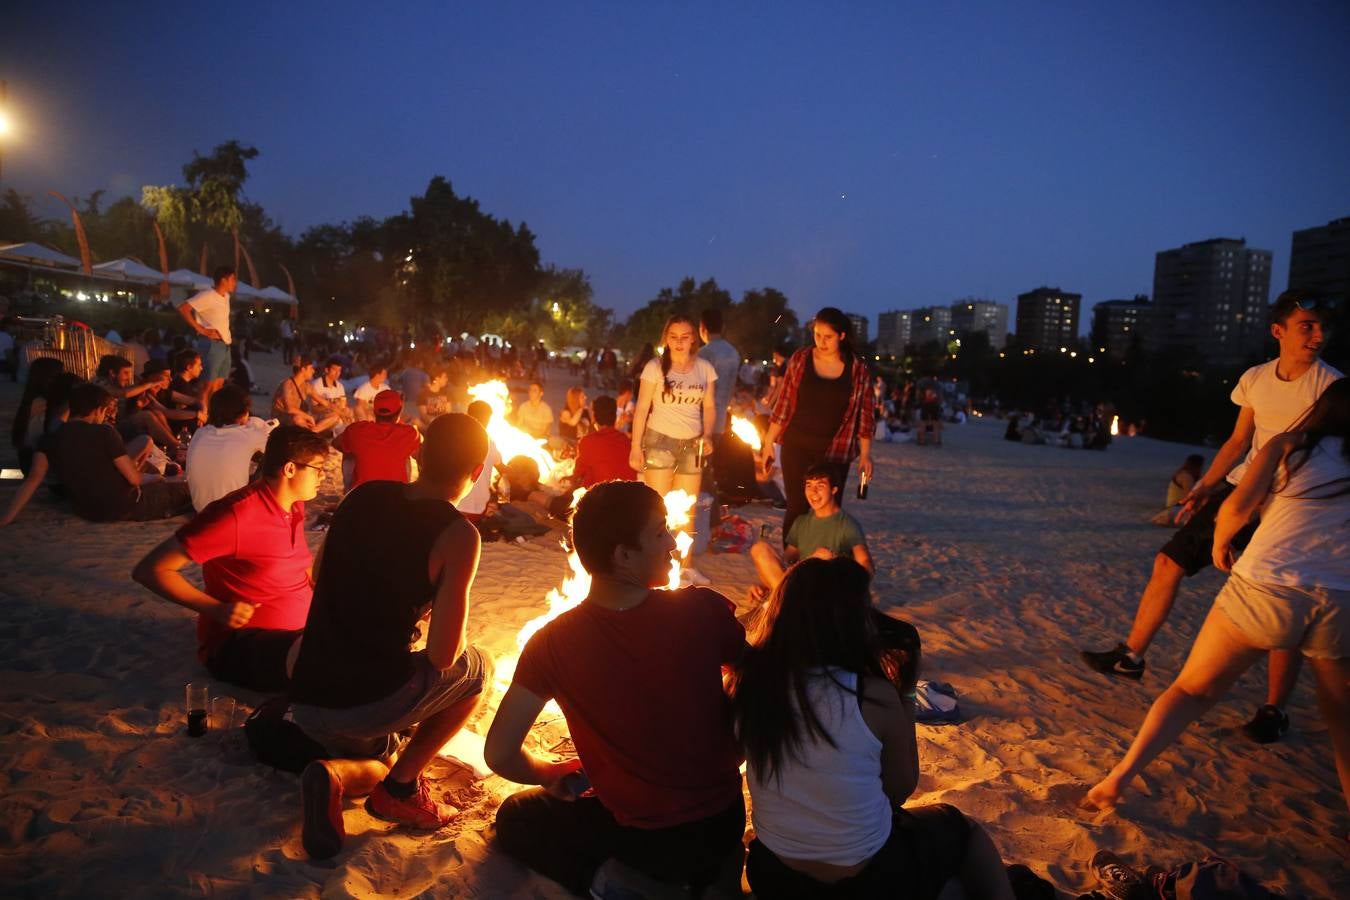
{"x":418,"y":811}
{"x":322,"y":833}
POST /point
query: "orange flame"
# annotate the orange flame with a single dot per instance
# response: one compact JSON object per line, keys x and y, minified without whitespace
{"x":747,"y":432}
{"x":1115,"y":426}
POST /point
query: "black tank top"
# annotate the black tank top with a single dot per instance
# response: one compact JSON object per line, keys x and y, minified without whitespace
{"x":821,"y":404}
{"x":372,"y":589}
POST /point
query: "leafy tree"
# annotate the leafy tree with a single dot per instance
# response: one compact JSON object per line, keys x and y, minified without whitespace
{"x":760,"y":322}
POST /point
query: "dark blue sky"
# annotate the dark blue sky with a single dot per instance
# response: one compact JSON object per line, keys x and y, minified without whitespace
{"x":865,"y":156}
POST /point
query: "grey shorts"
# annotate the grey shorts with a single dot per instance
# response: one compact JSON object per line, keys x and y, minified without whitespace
{"x":371,"y":730}
{"x":1312,"y":620}
{"x":216,"y":361}
{"x":661,"y":451}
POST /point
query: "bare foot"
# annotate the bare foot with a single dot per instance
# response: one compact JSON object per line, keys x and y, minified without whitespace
{"x":1100,"y":797}
{"x":756,"y":594}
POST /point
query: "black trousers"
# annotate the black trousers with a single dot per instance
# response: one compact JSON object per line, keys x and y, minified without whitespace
{"x":796,"y":460}
{"x":568,"y":840}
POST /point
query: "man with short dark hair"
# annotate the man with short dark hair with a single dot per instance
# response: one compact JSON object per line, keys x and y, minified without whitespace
{"x":827,"y":533}
{"x":395,"y":555}
{"x":90,"y":459}
{"x":255,"y":565}
{"x":208,"y":314}
{"x":221,"y":455}
{"x":1271,"y":398}
{"x":364,"y":394}
{"x":638,"y":674}
{"x":379,"y":450}
{"x":602,"y":455}
{"x":476,"y":503}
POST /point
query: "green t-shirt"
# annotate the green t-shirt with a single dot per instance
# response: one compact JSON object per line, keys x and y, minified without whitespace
{"x":839,"y":532}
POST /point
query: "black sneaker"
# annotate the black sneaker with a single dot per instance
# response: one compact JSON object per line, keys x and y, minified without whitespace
{"x":1117,"y":880}
{"x":1267,"y":726}
{"x":1115,"y":661}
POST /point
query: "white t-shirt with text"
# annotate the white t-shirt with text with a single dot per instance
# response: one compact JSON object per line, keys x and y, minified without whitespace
{"x":677,"y":398}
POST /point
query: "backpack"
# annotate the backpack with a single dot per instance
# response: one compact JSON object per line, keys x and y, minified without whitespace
{"x":277,"y":741}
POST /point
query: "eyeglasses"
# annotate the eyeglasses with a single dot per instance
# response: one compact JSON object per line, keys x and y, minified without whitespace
{"x":308,"y":466}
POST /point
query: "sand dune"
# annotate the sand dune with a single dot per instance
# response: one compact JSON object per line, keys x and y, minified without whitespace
{"x":1007,"y":557}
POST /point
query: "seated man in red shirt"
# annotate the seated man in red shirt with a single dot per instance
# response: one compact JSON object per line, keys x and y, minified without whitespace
{"x":380,"y":449}
{"x":638,"y":674}
{"x":602,"y":455}
{"x":255,"y":563}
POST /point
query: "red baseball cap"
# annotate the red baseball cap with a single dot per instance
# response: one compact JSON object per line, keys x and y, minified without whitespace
{"x":388,"y":403}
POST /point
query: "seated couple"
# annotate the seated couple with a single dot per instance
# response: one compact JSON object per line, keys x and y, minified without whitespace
{"x":653,"y":810}
{"x":827,"y":533}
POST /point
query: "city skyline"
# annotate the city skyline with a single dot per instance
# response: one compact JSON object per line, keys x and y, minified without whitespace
{"x":872,"y":161}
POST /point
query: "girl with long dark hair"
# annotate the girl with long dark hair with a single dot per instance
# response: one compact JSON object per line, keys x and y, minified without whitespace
{"x":675,"y":413}
{"x":823,"y":412}
{"x":831,"y":755}
{"x":31,"y":417}
{"x":1290,"y":589}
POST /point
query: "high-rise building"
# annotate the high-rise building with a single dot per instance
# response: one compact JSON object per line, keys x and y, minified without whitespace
{"x":893,"y":332}
{"x":860,"y":335}
{"x":972,"y":315}
{"x":1118,"y":325}
{"x":1320,"y":262}
{"x":930,"y":323}
{"x":1212,"y":296}
{"x":1047,"y":318}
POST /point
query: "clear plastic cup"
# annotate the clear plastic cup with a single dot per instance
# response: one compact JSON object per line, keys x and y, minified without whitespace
{"x":197,"y":692}
{"x":222,"y":713}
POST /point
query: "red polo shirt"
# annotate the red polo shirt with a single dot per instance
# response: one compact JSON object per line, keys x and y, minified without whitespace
{"x":603,"y":456}
{"x":250,"y":550}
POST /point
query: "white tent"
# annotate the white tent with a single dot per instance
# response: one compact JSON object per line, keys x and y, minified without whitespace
{"x":36,"y":254}
{"x":244,"y":291}
{"x":131,"y":270}
{"x":189,"y":278}
{"x":277,"y":295}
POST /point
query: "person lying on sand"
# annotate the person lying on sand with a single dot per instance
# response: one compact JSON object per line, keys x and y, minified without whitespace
{"x":827,"y":533}
{"x":638,"y":674}
{"x":395,"y":554}
{"x":255,"y":563}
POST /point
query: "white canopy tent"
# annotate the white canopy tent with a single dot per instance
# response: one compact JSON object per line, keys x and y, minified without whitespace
{"x":277,"y":295}
{"x":131,"y":270}
{"x":30,"y":253}
{"x":190,"y":279}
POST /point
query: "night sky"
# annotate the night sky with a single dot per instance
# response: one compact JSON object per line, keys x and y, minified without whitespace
{"x":866,"y":156}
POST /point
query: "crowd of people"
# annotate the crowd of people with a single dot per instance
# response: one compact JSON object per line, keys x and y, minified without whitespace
{"x":817,"y":697}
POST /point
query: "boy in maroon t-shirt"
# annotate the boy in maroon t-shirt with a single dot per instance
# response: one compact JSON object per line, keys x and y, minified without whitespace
{"x":602,"y":455}
{"x":255,"y":565}
{"x":380,"y":449}
{"x":638,"y":674}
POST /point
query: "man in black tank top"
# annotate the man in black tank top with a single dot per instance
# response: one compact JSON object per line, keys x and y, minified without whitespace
{"x":395,"y":555}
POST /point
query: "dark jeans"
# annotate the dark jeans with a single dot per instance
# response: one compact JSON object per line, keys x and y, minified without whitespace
{"x":567,"y":840}
{"x":796,"y":460}
{"x":161,"y":500}
{"x":926,"y":848}
{"x":254,"y":658}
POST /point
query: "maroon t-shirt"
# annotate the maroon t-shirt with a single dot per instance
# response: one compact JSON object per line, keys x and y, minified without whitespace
{"x":381,"y":450}
{"x":603,"y":456}
{"x":252,"y":551}
{"x":642,"y":692}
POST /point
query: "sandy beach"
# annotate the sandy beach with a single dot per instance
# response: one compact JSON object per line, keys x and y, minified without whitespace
{"x":1008,"y":558}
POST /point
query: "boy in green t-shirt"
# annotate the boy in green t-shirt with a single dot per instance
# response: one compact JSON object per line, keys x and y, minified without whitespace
{"x":828,"y":532}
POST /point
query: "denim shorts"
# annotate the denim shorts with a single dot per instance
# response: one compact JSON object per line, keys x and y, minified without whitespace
{"x":661,"y":451}
{"x":216,"y":361}
{"x":370,"y":730}
{"x":1313,"y":620}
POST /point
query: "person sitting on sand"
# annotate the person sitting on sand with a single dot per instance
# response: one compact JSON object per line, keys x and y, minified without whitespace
{"x":831,"y":756}
{"x":478,"y":502}
{"x":221,"y":455}
{"x":1289,"y":590}
{"x":380,"y":450}
{"x":602,"y":455}
{"x":97,"y":471}
{"x":534,"y":416}
{"x":294,"y":393}
{"x":827,"y":533}
{"x":364,"y":393}
{"x":395,"y":555}
{"x":638,"y":674}
{"x":255,"y":564}
{"x":132,"y":417}
{"x":1183,"y":479}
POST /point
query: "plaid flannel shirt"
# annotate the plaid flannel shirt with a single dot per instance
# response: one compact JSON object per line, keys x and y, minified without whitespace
{"x":859,"y":419}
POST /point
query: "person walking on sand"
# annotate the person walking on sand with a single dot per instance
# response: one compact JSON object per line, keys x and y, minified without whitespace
{"x":1271,"y":398}
{"x":396,"y":555}
{"x":1288,"y":591}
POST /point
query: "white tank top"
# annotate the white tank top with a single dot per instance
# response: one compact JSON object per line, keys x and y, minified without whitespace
{"x":828,"y":805}
{"x":1304,"y":535}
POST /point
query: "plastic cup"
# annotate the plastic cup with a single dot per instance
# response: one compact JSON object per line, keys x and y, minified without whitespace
{"x":222,"y":713}
{"x":197,"y":692}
